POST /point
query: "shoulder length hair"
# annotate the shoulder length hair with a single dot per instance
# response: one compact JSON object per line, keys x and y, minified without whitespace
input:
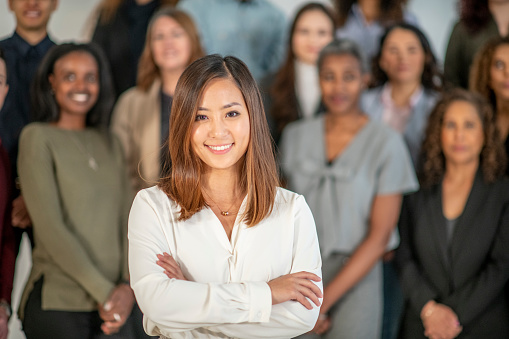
{"x":431,"y":77}
{"x":492,"y":158}
{"x":44,"y":106}
{"x":284,"y":108}
{"x":258,"y":175}
{"x":390,"y":10}
{"x":148,"y":71}
{"x":480,"y":72}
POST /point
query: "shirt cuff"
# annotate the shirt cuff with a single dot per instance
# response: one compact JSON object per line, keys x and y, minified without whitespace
{"x":260,"y":303}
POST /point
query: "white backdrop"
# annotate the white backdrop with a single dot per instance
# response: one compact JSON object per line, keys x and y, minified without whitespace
{"x":72,"y":21}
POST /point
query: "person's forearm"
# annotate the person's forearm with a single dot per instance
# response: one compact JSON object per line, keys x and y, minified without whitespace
{"x":358,"y":266}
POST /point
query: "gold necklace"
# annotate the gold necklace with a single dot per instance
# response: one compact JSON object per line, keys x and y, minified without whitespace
{"x":223,"y":213}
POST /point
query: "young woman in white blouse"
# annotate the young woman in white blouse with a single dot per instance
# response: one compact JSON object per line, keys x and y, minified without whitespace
{"x":217,"y":249}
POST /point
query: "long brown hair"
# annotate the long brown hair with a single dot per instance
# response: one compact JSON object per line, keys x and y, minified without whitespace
{"x":107,"y":9}
{"x":492,"y":159}
{"x":148,"y":71}
{"x":258,"y":175}
{"x":480,"y":72}
{"x":431,"y":77}
{"x":284,"y":107}
{"x":390,"y":10}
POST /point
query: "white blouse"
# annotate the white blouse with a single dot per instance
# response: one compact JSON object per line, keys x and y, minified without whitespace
{"x":227,"y":295}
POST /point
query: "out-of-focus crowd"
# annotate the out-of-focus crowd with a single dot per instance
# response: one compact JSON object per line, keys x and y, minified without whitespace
{"x":403,"y":161}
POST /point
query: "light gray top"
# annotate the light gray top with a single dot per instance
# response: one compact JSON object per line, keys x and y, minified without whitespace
{"x":371,"y":103}
{"x":340,"y":194}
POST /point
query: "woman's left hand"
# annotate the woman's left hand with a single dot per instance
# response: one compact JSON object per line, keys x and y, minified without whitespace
{"x":116,"y":309}
{"x":171,"y":267}
{"x":322,"y":324}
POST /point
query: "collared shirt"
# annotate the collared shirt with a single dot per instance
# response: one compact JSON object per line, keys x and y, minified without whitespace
{"x":226,"y":295}
{"x":367,"y":35}
{"x":395,"y":116}
{"x":22,"y":60}
{"x":253,"y":31}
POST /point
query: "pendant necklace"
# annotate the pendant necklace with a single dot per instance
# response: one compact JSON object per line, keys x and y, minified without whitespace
{"x":223,"y":213}
{"x":92,"y":163}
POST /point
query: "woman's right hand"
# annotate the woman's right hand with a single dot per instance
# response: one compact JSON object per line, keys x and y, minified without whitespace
{"x":171,"y":267}
{"x":298,"y":287}
{"x":440,"y":321}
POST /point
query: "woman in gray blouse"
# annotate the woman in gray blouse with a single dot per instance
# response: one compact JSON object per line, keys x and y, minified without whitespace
{"x":353,"y":172}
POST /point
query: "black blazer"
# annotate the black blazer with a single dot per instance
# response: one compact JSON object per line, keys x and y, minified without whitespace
{"x":469,"y":274}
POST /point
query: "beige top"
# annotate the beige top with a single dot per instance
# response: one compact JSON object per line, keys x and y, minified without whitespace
{"x":79,"y":214}
{"x":137,"y":123}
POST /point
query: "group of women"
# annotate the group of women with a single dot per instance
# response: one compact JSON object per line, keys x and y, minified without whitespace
{"x":216,"y":248}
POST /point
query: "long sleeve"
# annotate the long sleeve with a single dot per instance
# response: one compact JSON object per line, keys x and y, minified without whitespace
{"x":474,"y":297}
{"x":128,"y":197}
{"x":40,"y":191}
{"x":239,"y":307}
{"x":289,"y":319}
{"x":122,"y":127}
{"x":415,"y":285}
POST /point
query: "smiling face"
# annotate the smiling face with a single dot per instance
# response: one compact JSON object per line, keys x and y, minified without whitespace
{"x":313,"y":31}
{"x":462,"y":134}
{"x":171,"y":45}
{"x":32,"y":15}
{"x":341,"y":82}
{"x":402,"y":56}
{"x":221,"y":132}
{"x":75,"y":83}
{"x":499,"y":73}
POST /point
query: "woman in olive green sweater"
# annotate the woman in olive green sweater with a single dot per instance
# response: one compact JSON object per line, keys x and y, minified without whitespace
{"x":74,"y":182}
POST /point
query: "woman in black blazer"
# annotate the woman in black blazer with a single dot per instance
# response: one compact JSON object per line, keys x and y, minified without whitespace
{"x":454,"y":257}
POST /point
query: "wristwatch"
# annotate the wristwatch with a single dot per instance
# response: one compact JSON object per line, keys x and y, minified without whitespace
{"x":6,"y":307}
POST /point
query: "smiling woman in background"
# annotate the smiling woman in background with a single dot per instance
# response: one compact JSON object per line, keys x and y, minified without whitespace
{"x":142,"y":115}
{"x":73,"y":179}
{"x":194,"y":240}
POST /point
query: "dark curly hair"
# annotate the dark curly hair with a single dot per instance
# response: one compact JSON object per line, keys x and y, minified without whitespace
{"x":492,"y":158}
{"x":479,"y":81}
{"x":390,"y":10}
{"x":284,"y":108}
{"x":431,"y":78}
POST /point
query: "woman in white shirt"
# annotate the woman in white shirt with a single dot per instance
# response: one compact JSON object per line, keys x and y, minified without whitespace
{"x":217,"y":249}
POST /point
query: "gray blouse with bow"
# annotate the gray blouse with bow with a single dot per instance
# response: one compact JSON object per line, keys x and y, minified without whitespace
{"x":340,"y":194}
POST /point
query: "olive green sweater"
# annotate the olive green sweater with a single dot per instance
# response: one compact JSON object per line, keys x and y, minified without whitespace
{"x":462,"y":49}
{"x":79,"y":214}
